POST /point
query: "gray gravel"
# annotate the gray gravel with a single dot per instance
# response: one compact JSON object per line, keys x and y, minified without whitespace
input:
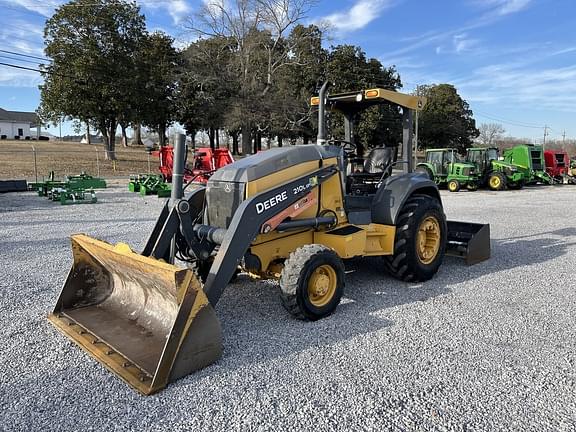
{"x":483,"y":348}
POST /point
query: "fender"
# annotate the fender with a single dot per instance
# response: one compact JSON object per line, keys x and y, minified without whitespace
{"x":393,"y":193}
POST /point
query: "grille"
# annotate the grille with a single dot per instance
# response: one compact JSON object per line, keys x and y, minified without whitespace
{"x":222,"y":200}
{"x":536,"y":160}
{"x":560,"y":160}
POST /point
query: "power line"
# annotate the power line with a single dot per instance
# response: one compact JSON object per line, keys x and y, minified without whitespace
{"x":24,"y":55}
{"x":48,"y":6}
{"x":511,"y":122}
{"x":20,"y":60}
{"x":38,"y":70}
{"x":20,"y":67}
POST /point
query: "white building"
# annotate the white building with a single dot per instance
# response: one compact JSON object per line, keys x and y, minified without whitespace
{"x":17,"y":125}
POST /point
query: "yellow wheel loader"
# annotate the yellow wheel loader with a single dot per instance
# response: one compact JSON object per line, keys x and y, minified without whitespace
{"x":292,"y":214}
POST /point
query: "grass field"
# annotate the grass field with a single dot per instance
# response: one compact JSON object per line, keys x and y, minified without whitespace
{"x":67,"y":158}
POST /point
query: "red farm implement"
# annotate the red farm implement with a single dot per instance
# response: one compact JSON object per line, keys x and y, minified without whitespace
{"x":205,"y":162}
{"x":557,"y":164}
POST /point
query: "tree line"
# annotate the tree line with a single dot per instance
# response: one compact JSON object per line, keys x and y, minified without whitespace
{"x":250,"y":73}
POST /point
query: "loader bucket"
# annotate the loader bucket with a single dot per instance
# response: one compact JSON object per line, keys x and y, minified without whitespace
{"x":470,"y":241}
{"x":147,"y":321}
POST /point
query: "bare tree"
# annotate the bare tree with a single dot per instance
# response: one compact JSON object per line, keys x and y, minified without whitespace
{"x":243,"y":22}
{"x":490,"y":133}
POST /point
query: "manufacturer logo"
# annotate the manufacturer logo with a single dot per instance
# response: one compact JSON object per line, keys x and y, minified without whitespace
{"x":272,"y":202}
{"x":227,"y":187}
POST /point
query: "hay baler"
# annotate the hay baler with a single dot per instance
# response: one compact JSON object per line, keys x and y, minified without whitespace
{"x":529,"y":160}
{"x":557,"y":165}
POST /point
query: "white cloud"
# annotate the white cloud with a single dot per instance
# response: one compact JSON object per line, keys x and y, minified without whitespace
{"x":517,"y":84}
{"x":179,"y":10}
{"x":359,"y":16}
{"x":214,"y":6}
{"x":504,"y":7}
{"x":13,"y":77}
{"x":45,"y":7}
{"x":462,"y":43}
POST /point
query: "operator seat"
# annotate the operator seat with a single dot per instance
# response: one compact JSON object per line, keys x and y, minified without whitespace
{"x":379,"y":160}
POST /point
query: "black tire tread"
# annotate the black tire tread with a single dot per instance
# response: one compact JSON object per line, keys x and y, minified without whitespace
{"x":397,"y":264}
{"x":290,"y":277}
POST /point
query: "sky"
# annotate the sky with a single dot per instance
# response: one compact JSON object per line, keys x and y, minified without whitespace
{"x":513,"y":61}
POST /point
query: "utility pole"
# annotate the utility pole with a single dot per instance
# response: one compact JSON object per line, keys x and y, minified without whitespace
{"x":564,"y":140}
{"x":545,"y":135}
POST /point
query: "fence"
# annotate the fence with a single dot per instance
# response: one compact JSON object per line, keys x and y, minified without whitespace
{"x":35,"y":162}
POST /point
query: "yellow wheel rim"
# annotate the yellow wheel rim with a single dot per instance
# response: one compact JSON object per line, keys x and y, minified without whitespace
{"x":495,"y":182}
{"x":452,"y":186}
{"x":428,"y":240}
{"x":322,"y":285}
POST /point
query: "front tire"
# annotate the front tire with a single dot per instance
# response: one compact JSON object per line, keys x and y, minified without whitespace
{"x":453,"y":185}
{"x":420,"y":240}
{"x":312,"y":282}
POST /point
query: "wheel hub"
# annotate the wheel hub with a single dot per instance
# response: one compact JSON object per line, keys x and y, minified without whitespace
{"x":322,"y":285}
{"x":428,"y":240}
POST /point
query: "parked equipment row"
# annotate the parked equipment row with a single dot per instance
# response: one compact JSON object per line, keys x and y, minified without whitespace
{"x":77,"y":189}
{"x":483,"y":167}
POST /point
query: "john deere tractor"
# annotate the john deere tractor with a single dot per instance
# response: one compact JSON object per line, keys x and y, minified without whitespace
{"x":444,"y":168}
{"x":529,"y":159}
{"x":494,"y":173}
{"x":290,"y":214}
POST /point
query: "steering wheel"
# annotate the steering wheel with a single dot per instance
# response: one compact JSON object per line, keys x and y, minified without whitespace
{"x":348,"y":148}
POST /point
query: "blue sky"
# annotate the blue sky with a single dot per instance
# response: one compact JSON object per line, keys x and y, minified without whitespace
{"x":514,"y":61}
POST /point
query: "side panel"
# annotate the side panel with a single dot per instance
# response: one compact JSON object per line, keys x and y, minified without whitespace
{"x":392,"y":195}
{"x":331,"y":194}
{"x":280,"y":246}
{"x":281,"y":177}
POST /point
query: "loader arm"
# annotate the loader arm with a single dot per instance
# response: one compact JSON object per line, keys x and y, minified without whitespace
{"x":234,"y":241}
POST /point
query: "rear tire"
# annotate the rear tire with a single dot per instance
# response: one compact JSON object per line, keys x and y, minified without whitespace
{"x":312,"y":282}
{"x":497,"y":181}
{"x":453,"y":185}
{"x":417,"y":255}
{"x":425,"y":171}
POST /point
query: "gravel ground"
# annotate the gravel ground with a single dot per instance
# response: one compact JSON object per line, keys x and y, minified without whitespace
{"x":483,"y":348}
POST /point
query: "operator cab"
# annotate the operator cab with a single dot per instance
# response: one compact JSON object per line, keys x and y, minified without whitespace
{"x":365,"y":175}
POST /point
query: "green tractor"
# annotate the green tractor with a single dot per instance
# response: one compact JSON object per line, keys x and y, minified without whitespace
{"x":529,"y":159}
{"x":493,"y":172}
{"x":444,"y":167}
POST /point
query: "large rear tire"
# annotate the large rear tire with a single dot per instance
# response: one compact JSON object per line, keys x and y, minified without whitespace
{"x":422,"y":169}
{"x":312,"y":282}
{"x":420,"y":241}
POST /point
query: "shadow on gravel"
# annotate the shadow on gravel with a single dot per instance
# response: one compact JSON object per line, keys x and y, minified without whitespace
{"x":257,"y":328}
